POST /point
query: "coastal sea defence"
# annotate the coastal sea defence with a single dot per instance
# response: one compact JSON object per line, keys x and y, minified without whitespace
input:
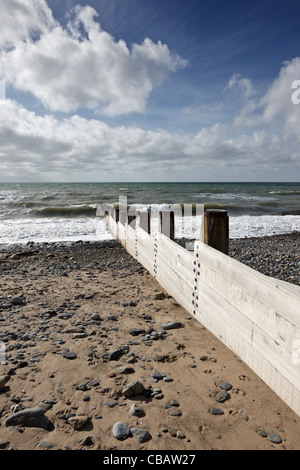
{"x":255,"y":316}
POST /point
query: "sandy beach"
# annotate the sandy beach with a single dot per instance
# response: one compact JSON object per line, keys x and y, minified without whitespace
{"x":92,"y":341}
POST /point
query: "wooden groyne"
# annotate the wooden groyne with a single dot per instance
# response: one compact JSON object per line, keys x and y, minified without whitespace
{"x":255,"y":316}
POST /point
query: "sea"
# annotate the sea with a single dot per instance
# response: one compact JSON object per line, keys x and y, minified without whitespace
{"x":68,"y":212}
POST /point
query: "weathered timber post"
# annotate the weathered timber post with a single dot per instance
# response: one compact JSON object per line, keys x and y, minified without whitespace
{"x":114,"y":213}
{"x":167,"y":223}
{"x":123,"y":215}
{"x":131,"y":217}
{"x":144,"y":217}
{"x":215,"y":229}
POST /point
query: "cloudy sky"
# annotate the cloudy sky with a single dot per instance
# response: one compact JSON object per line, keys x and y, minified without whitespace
{"x":149,"y":90}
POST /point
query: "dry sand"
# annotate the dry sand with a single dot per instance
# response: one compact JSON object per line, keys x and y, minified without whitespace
{"x":64,"y":286}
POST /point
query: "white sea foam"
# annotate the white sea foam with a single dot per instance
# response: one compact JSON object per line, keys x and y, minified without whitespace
{"x":263,"y":225}
{"x":55,"y":229}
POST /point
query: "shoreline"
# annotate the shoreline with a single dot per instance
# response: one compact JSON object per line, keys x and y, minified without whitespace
{"x":82,"y":321}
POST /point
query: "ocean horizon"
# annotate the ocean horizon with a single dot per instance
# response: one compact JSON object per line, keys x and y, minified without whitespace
{"x":62,"y":212}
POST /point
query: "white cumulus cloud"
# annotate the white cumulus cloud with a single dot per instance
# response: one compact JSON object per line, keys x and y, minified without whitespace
{"x":79,"y":65}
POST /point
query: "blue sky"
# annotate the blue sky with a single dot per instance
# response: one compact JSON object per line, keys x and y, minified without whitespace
{"x":148,"y":90}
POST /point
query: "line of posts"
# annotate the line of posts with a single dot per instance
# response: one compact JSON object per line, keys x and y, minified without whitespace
{"x":214,"y":228}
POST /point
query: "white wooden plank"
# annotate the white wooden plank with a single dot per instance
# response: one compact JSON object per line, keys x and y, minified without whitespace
{"x":112,"y":226}
{"x":177,"y":256}
{"x":122,"y":234}
{"x":131,"y":240}
{"x":145,"y":250}
{"x":279,"y":328}
{"x":283,"y":301}
{"x":173,"y":282}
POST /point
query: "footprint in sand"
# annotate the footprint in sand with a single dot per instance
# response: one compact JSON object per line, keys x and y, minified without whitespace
{"x":244,"y":378}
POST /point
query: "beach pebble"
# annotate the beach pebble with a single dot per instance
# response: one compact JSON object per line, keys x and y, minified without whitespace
{"x":135,"y":410}
{"x":68,"y":355}
{"x":136,"y":332}
{"x":175,"y":413}
{"x":120,"y":431}
{"x":159,"y":296}
{"x":78,"y":421}
{"x":173,"y":403}
{"x":96,"y":317}
{"x":88,"y":441}
{"x":114,"y":355}
{"x":133,"y":388}
{"x":168,"y":379}
{"x":17,"y":301}
{"x":142,"y":435}
{"x":124,"y":370}
{"x":74,"y":329}
{"x":29,"y":417}
{"x":275,"y":438}
{"x":157,"y":376}
{"x":222,"y":396}
{"x":262,"y":433}
{"x":225,"y":386}
{"x":3,"y":380}
{"x":4,"y":444}
{"x":45,"y":445}
{"x":172,"y":325}
{"x":216,"y":411}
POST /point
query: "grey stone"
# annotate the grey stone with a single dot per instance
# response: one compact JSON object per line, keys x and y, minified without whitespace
{"x":74,"y":329}
{"x":68,"y":355}
{"x":133,"y":388}
{"x":159,"y":296}
{"x":45,"y":445}
{"x":216,"y":411}
{"x":120,"y":431}
{"x":93,"y":383}
{"x":114,"y":355}
{"x":222,"y":396}
{"x":78,"y":421}
{"x":262,"y":433}
{"x":142,"y":435}
{"x":174,"y":403}
{"x":167,"y":379}
{"x":225,"y":385}
{"x":172,"y":325}
{"x":88,"y":441}
{"x":135,"y":410}
{"x":136,"y":332}
{"x":79,"y":335}
{"x":3,"y":380}
{"x":157,"y":376}
{"x":275,"y":438}
{"x":96,"y":317}
{"x":4,"y":444}
{"x":175,"y":413}
{"x":29,"y":417}
{"x":124,"y":370}
{"x":17,"y":301}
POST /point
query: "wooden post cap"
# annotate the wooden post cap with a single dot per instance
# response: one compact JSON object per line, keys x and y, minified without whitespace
{"x":215,"y":213}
